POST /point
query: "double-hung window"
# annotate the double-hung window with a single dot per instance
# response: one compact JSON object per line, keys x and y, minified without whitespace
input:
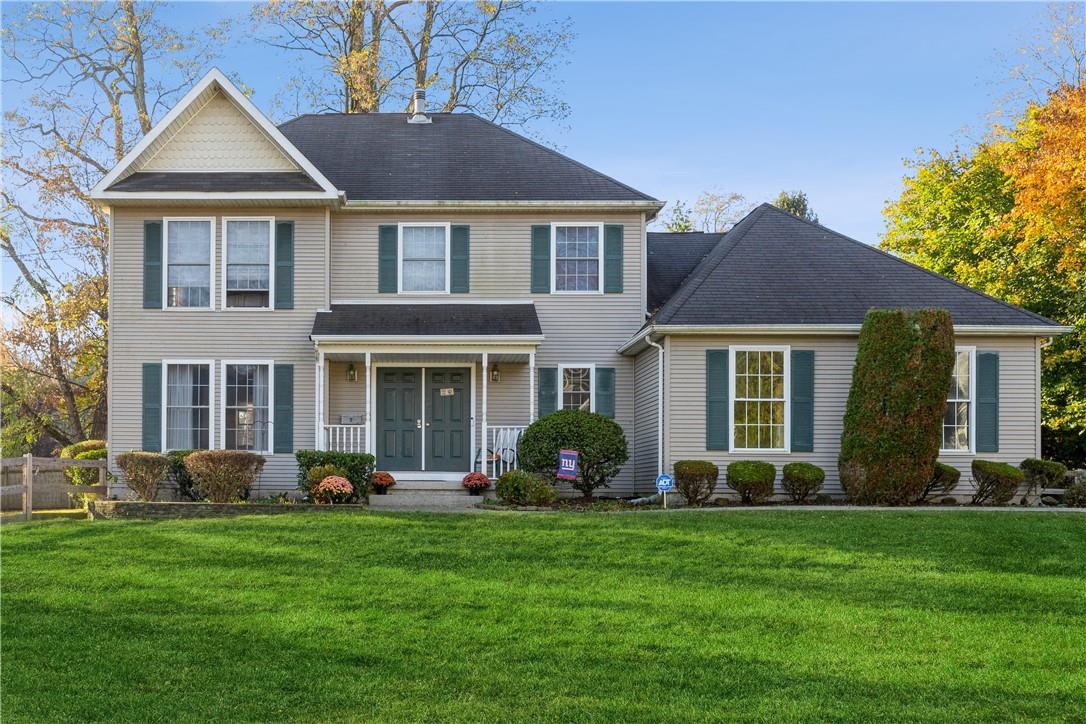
{"x":578,"y":260}
{"x":189,"y":262}
{"x":247,"y":406}
{"x":958,"y":419}
{"x":759,"y":398}
{"x":577,"y":388}
{"x":248,"y":261}
{"x":424,"y":257}
{"x":188,"y":405}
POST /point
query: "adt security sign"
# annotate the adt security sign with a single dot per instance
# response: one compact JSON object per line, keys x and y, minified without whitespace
{"x":664,"y":483}
{"x":567,"y":464}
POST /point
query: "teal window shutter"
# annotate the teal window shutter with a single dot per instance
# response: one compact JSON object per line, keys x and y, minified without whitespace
{"x":284,"y":265}
{"x":605,"y":391}
{"x":802,"y":368}
{"x":152,"y":265}
{"x":548,"y":390}
{"x":152,"y":407}
{"x":612,"y":258}
{"x":541,"y":259}
{"x":987,"y":415}
{"x":283,"y":434}
{"x":460,"y":263}
{"x":716,"y":399}
{"x":387,"y":263}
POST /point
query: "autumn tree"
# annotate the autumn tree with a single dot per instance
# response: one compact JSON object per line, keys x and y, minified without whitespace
{"x":679,"y":218}
{"x":491,"y":57}
{"x":795,"y":203}
{"x":93,"y":76}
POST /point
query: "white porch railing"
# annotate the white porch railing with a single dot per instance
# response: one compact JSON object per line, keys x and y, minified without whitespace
{"x":501,"y":449}
{"x":345,"y":438}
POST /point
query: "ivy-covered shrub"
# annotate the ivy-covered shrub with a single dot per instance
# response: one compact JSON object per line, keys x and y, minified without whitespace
{"x":513,"y":486}
{"x":1042,"y":474}
{"x":224,"y":476}
{"x":944,"y":478}
{"x":178,"y":474}
{"x":752,"y":479}
{"x":802,"y":480}
{"x":696,"y":480}
{"x":893,"y":418}
{"x":143,"y":472}
{"x":1075,"y":495}
{"x":996,"y":483}
{"x":78,"y":451}
{"x":599,"y":441}
{"x":357,"y":468}
{"x":319,"y":473}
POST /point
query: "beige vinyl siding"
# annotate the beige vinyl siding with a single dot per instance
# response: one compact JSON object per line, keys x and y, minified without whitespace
{"x":646,"y":402}
{"x":217,"y":137}
{"x":141,"y":335}
{"x":834,"y":360}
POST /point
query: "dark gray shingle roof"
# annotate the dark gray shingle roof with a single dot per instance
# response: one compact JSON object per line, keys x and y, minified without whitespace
{"x":477,"y":320}
{"x":217,"y":181}
{"x":457,"y":157}
{"x":671,"y":258}
{"x":774,"y":268}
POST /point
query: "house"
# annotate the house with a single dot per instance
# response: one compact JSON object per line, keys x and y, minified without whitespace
{"x":423,"y":286}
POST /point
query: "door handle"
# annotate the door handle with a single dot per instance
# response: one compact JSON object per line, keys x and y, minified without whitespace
{"x":418,"y":424}
{"x":427,"y":424}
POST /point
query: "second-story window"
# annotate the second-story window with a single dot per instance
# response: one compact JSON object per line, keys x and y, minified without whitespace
{"x":425,"y":258}
{"x":189,"y":259}
{"x":577,"y":258}
{"x":248,"y":263}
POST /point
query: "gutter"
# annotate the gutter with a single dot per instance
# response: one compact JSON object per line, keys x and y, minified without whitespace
{"x":439,"y":204}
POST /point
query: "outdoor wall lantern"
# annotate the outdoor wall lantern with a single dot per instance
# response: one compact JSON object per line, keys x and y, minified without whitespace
{"x":352,"y":373}
{"x":495,"y":374}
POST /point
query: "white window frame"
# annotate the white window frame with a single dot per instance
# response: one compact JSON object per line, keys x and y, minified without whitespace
{"x":166,"y":264}
{"x":972,"y":403}
{"x":787,"y":355}
{"x":400,"y":260}
{"x":226,"y":262}
{"x":554,"y":257}
{"x":210,"y":397}
{"x":591,"y":383}
{"x":271,"y":400}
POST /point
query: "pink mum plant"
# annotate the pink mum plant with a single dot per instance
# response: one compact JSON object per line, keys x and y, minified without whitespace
{"x":333,"y":489}
{"x":476,"y":481}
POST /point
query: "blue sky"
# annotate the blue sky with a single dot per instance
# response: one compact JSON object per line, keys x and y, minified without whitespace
{"x":675,"y":99}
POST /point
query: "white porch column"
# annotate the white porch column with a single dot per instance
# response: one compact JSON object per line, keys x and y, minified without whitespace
{"x":531,"y":387}
{"x":319,"y":388}
{"x":486,"y":378}
{"x":366,"y":413}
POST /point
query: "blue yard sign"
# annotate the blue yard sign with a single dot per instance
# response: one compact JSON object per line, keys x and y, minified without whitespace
{"x":567,"y":465}
{"x":664,"y":483}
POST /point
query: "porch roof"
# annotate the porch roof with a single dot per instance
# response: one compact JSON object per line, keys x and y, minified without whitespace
{"x":426,"y":321}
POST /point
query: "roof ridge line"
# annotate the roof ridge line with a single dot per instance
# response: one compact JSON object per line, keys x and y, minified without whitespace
{"x":906,"y":262}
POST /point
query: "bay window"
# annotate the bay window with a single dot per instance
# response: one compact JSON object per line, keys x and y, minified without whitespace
{"x":189,"y":263}
{"x":759,"y":394}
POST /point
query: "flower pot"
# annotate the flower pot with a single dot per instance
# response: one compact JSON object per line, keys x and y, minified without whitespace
{"x":475,"y":491}
{"x":381,"y":490}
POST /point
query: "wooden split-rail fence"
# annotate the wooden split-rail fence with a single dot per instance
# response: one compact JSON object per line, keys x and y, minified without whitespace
{"x":33,"y":465}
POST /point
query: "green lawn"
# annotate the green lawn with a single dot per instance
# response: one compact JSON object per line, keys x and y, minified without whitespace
{"x":643,"y":616}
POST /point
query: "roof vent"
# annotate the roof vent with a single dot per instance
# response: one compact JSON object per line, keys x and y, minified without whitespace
{"x":418,"y":107}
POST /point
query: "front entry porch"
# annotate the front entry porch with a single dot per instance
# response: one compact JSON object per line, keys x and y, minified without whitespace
{"x":430,"y":415}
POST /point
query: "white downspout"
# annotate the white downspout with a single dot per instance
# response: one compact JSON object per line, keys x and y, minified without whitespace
{"x":659,"y":402}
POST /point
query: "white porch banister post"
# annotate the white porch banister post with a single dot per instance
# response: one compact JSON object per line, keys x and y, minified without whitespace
{"x":531,"y":387}
{"x":486,"y":439}
{"x":319,"y":388}
{"x":366,"y":413}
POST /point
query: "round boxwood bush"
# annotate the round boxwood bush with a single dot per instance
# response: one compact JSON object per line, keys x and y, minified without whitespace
{"x":599,"y":440}
{"x":802,"y":480}
{"x":513,"y":487}
{"x":143,"y":472}
{"x":996,"y":483}
{"x":696,"y":480}
{"x":752,"y":479}
{"x":944,"y":478}
{"x":1042,"y":474}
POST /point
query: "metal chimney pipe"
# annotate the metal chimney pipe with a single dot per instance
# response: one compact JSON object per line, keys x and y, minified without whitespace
{"x":418,"y":107}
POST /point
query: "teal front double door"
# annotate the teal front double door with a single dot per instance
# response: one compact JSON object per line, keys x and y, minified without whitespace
{"x":423,"y":416}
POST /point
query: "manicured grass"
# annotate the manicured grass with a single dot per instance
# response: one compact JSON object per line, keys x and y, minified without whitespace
{"x":644,"y":616}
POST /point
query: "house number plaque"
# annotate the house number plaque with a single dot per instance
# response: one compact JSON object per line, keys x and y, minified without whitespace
{"x":447,"y":391}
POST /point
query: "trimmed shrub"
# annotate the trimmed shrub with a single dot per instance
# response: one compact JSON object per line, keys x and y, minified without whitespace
{"x":996,"y":483}
{"x":1075,"y":495}
{"x":70,"y":451}
{"x":83,"y":476}
{"x":541,"y":493}
{"x":696,"y":480}
{"x":143,"y":472}
{"x":178,"y":474}
{"x":1042,"y":474}
{"x":598,"y":440}
{"x":224,"y":476}
{"x":752,"y":479}
{"x":513,"y":487}
{"x":893,"y":418}
{"x":802,"y":480}
{"x":357,"y":468}
{"x":333,"y":489}
{"x":944,"y":478}
{"x":319,"y":473}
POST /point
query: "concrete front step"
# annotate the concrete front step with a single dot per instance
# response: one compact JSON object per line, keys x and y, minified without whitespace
{"x":424,"y":500}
